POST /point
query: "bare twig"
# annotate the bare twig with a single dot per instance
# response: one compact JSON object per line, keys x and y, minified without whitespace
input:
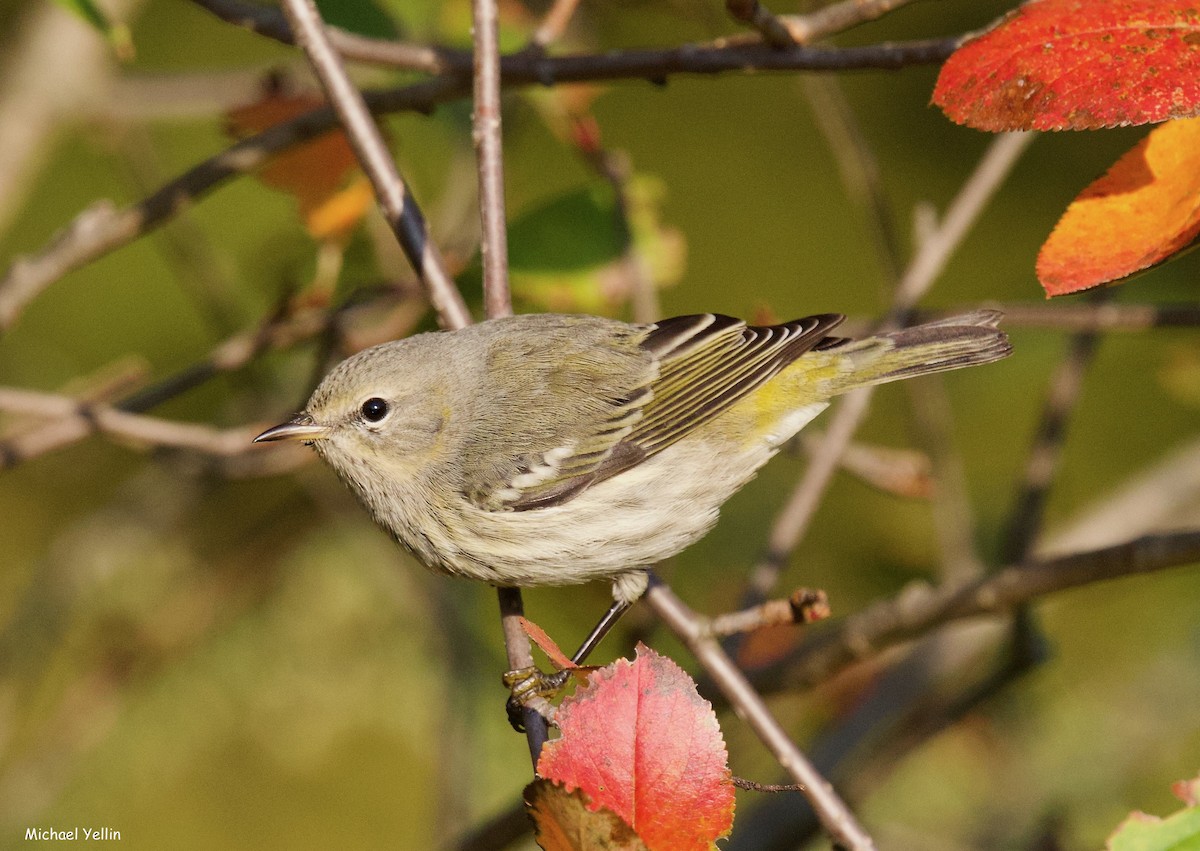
{"x":919,"y":609}
{"x":804,"y":606}
{"x":549,"y":70}
{"x":614,"y":167}
{"x":103,"y":227}
{"x":752,"y":786}
{"x":489,"y":154}
{"x":37,"y":90}
{"x":267,"y":21}
{"x":838,"y":17}
{"x":895,"y":470}
{"x":1158,"y":497}
{"x":793,"y":521}
{"x":1103,"y":316}
{"x":535,"y":710}
{"x":964,"y":210}
{"x":836,"y":817}
{"x":754,"y":14}
{"x":794,"y":518}
{"x":399,"y":207}
{"x":78,"y":419}
{"x":952,"y":517}
{"x":554,"y":24}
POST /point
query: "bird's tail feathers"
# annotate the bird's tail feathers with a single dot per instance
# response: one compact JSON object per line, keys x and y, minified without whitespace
{"x":958,"y":341}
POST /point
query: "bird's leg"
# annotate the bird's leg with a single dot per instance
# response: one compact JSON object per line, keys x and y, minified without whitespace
{"x":529,"y":682}
{"x":601,"y":629}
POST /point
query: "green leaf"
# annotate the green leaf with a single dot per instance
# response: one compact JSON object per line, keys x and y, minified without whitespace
{"x":567,"y":255}
{"x":574,"y":231}
{"x":358,"y":16}
{"x":1177,"y":832}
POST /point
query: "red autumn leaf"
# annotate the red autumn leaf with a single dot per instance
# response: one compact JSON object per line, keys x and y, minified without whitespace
{"x":1145,"y":209}
{"x":640,"y":741}
{"x":321,"y":173}
{"x":564,"y":821}
{"x":1077,"y":65}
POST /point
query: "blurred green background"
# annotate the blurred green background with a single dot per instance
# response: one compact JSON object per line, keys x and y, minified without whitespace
{"x":201,"y":661}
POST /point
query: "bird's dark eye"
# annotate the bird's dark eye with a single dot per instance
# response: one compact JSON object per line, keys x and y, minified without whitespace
{"x":375,"y":409}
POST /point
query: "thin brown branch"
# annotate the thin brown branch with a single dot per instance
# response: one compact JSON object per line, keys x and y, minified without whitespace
{"x":554,"y":24}
{"x":534,"y":66}
{"x":73,"y":419}
{"x":489,"y":154}
{"x":838,"y":17}
{"x":1104,"y":316}
{"x":103,"y":227}
{"x":920,"y":609}
{"x":399,"y":207}
{"x":754,"y":14}
{"x":1163,"y":495}
{"x":752,"y":786}
{"x":935,"y":251}
{"x":534,"y":711}
{"x":794,"y":520}
{"x":267,"y":21}
{"x":899,"y":471}
{"x":838,"y":820}
{"x":804,"y":606}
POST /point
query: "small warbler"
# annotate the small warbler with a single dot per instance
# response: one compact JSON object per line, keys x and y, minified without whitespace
{"x":553,"y":450}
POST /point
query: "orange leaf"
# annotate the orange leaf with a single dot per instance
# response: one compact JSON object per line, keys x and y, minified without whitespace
{"x":1145,"y":209}
{"x":539,"y":637}
{"x":341,"y":212}
{"x":1077,"y":65}
{"x":315,"y":172}
{"x":564,"y":821}
{"x":640,"y":741}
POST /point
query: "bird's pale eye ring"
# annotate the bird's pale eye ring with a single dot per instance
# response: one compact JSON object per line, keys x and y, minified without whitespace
{"x":375,"y":409}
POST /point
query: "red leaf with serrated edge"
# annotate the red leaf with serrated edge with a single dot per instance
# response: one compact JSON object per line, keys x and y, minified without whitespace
{"x":640,"y":741}
{"x":1145,"y":209}
{"x":1077,"y":65}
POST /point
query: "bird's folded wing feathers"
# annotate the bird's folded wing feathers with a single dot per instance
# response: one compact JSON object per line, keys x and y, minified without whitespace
{"x":617,"y":401}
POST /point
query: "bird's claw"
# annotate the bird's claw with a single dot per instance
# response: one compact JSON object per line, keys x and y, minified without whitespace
{"x":526,"y":685}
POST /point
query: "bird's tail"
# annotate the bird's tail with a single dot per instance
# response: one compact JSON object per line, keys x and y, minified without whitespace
{"x":964,"y":340}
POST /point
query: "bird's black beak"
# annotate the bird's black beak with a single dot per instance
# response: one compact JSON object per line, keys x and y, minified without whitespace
{"x":300,"y":427}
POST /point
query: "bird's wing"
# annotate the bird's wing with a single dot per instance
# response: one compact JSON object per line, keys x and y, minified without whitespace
{"x":618,"y":401}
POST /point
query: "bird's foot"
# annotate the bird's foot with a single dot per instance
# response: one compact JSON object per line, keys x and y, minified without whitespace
{"x":528,"y":687}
